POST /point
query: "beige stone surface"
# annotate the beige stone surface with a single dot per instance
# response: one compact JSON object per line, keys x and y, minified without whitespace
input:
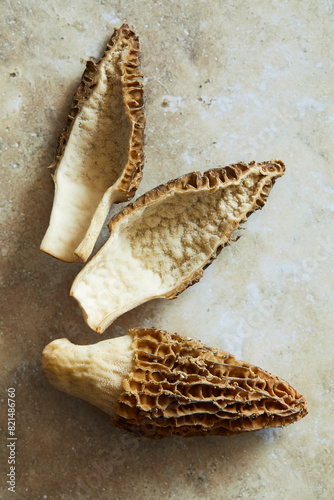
{"x":225,"y":81}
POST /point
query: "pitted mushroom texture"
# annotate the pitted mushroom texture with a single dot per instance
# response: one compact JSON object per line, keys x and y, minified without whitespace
{"x":175,"y":239}
{"x":158,"y":384}
{"x":160,"y":244}
{"x":100,"y":154}
{"x":179,"y":386}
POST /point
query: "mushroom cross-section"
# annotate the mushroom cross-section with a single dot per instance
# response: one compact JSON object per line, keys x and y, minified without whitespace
{"x":99,"y":160}
{"x":160,"y":244}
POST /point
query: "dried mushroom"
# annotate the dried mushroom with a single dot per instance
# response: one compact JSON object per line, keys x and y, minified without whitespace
{"x":158,"y":384}
{"x":99,"y":159}
{"x":160,"y":244}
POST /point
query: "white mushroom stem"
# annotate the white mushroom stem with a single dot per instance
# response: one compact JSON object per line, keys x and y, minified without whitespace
{"x":94,"y":373}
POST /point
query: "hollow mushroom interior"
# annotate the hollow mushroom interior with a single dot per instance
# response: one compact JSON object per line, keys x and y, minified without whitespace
{"x":93,"y":160}
{"x":154,"y":249}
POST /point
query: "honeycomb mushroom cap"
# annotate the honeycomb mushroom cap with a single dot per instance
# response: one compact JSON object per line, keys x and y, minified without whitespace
{"x":178,"y":386}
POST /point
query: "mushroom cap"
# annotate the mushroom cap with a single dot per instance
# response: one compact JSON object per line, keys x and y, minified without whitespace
{"x":179,"y":386}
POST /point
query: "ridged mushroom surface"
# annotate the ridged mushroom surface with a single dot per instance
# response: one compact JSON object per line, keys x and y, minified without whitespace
{"x":99,"y":159}
{"x":158,"y":384}
{"x":160,"y":244}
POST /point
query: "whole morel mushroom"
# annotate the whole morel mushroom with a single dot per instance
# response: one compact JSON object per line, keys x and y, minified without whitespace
{"x":158,"y":384}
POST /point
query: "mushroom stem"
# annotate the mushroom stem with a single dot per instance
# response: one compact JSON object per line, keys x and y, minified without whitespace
{"x":94,"y":372}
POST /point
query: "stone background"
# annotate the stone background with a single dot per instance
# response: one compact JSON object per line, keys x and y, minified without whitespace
{"x":225,"y":81}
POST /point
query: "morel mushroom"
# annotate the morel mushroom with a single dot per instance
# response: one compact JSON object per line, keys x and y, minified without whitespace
{"x":158,"y":384}
{"x":160,"y":244}
{"x":99,"y":159}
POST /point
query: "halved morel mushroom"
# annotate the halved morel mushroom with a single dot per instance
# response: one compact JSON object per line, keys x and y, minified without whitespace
{"x":99,"y":159}
{"x":158,"y":384}
{"x":160,"y":244}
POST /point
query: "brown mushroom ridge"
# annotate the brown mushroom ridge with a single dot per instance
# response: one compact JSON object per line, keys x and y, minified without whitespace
{"x":178,"y":386}
{"x":160,"y":244}
{"x":99,"y":159}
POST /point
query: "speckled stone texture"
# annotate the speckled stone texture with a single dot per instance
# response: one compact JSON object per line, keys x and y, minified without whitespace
{"x":225,"y":81}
